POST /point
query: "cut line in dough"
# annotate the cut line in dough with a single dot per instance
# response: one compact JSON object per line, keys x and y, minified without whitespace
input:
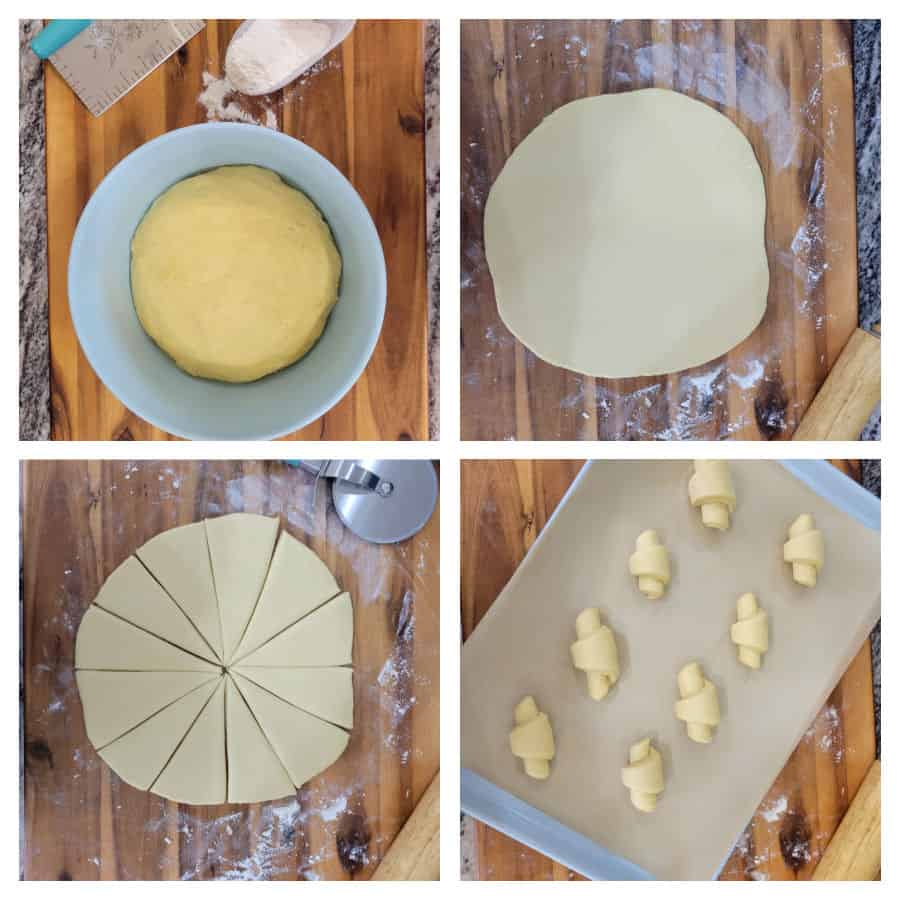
{"x":115,"y":702}
{"x":255,"y":772}
{"x":240,"y":550}
{"x":305,"y":745}
{"x":105,"y":641}
{"x":326,"y":692}
{"x":133,"y":594}
{"x":323,"y":638}
{"x":298,"y":582}
{"x":179,"y":560}
{"x":140,"y":755}
{"x":196,"y":774}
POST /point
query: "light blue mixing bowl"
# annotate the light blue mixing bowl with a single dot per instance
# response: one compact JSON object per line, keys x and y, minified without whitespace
{"x":138,"y":372}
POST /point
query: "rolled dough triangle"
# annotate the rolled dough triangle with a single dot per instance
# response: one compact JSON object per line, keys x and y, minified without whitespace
{"x":179,"y":560}
{"x":196,"y":774}
{"x":323,"y":638}
{"x":306,"y":745}
{"x":240,"y":547}
{"x":139,"y":756}
{"x":115,"y":702}
{"x":255,"y":773}
{"x":107,"y":642}
{"x":298,"y":582}
{"x":132,"y":593}
{"x":324,"y":692}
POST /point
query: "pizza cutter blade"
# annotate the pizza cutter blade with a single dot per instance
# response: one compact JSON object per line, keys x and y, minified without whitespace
{"x":384,"y":501}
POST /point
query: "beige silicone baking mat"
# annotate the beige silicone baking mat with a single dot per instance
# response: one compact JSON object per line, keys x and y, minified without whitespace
{"x":522,"y":647}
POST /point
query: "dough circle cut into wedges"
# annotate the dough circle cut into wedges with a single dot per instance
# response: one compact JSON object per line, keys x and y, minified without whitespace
{"x":214,"y":664}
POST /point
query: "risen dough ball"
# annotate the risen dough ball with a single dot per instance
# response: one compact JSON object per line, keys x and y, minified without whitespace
{"x":234,"y":273}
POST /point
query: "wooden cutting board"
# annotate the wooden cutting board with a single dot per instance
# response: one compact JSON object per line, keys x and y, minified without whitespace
{"x":79,"y":521}
{"x":789,"y":87}
{"x":363,"y":109}
{"x":505,"y":504}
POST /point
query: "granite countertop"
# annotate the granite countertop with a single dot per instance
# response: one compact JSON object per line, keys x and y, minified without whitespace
{"x":34,"y":341}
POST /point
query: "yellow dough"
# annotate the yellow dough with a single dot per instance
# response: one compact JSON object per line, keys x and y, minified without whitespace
{"x":595,"y":653}
{"x":105,"y":641}
{"x":140,"y":754}
{"x":240,"y":550}
{"x":234,"y":273}
{"x":710,"y":488}
{"x":305,"y":745}
{"x":254,"y":771}
{"x":699,"y":703}
{"x":532,"y":739}
{"x":197,"y":773}
{"x":805,"y":550}
{"x":650,"y":563}
{"x":643,"y":775}
{"x":179,"y":560}
{"x":751,"y":631}
{"x":324,"y":691}
{"x":165,"y":716}
{"x":323,"y":638}
{"x":281,"y":603}
{"x":133,"y":594}
{"x":625,"y":234}
{"x":116,"y":702}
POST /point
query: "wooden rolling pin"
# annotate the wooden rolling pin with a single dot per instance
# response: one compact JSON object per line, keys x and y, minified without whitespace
{"x":854,"y":852}
{"x":415,"y":854}
{"x":851,"y":391}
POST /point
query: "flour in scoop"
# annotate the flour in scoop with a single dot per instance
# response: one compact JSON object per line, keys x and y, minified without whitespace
{"x":268,"y":51}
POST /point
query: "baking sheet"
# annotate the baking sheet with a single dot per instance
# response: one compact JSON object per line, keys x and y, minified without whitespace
{"x":580,"y":559}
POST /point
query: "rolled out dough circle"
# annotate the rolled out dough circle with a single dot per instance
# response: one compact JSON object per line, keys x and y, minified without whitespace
{"x":625,"y":236}
{"x":234,"y":273}
{"x":171,"y":712}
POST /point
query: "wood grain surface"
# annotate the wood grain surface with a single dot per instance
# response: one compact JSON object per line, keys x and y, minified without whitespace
{"x":788,"y":86}
{"x":505,"y":504}
{"x":363,"y":109}
{"x":82,"y":519}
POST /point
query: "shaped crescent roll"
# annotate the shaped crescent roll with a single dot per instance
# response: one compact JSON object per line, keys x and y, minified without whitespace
{"x":643,"y":776}
{"x":532,"y":739}
{"x":710,"y":488}
{"x":751,"y":631}
{"x":595,"y":653}
{"x":650,"y":563}
{"x":805,"y":550}
{"x":699,"y":703}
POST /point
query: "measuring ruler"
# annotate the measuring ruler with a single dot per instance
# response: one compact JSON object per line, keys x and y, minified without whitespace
{"x":106,"y":60}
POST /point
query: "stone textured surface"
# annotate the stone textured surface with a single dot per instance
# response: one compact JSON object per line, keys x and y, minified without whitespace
{"x":433,"y":218}
{"x":867,"y":92}
{"x":34,"y":340}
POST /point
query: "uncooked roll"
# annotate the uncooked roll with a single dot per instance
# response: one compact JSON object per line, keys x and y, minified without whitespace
{"x":643,"y":775}
{"x":805,"y":550}
{"x":710,"y":488}
{"x":595,"y":653}
{"x":751,"y":631}
{"x":532,"y":739}
{"x":699,"y":703}
{"x":650,"y":563}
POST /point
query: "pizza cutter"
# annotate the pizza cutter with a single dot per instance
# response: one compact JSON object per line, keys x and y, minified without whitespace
{"x":384,"y":501}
